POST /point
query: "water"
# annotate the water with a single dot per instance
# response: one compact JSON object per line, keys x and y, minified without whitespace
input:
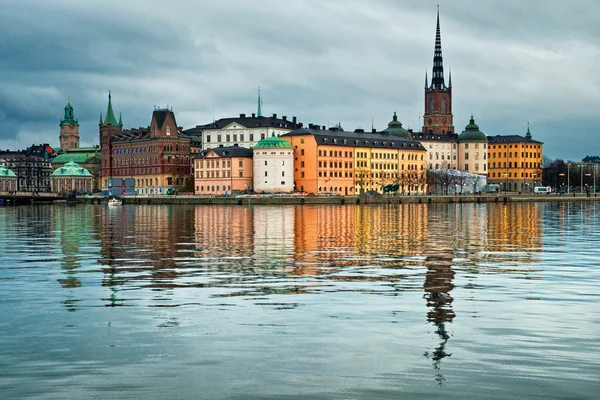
{"x":452,"y":301}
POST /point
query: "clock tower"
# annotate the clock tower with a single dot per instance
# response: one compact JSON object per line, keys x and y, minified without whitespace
{"x":438,"y":97}
{"x":69,"y":129}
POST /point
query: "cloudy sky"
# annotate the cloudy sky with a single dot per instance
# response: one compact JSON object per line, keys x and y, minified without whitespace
{"x":347,"y":61}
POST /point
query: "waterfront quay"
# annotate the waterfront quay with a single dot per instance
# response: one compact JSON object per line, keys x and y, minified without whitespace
{"x":343,"y":200}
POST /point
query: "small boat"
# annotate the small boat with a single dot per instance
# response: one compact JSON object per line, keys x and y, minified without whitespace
{"x":114,"y":202}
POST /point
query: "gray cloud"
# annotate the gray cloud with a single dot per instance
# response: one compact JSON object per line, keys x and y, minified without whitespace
{"x":324,"y":62}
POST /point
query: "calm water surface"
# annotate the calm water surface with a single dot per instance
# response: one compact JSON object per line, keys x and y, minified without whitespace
{"x":300,"y":302}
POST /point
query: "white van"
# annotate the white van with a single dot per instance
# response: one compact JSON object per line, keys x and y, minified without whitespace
{"x":541,"y":189}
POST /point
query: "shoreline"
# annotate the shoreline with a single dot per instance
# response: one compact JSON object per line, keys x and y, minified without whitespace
{"x":343,"y":200}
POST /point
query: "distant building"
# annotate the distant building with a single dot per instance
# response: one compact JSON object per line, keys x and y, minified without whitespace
{"x":87,"y":157}
{"x":71,"y":177}
{"x":223,"y":170}
{"x":515,"y":162}
{"x":33,"y":172}
{"x":156,"y":157}
{"x":273,"y":166}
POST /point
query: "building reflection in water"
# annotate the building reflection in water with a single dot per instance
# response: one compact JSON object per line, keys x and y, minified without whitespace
{"x":73,"y":226}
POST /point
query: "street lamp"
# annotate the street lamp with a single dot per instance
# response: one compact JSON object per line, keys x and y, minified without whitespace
{"x":568,"y":178}
{"x":581,"y":178}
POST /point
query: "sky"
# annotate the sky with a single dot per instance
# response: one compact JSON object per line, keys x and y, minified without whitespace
{"x":326,"y":62}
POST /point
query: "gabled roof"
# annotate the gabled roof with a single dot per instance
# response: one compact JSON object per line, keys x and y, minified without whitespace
{"x":357,"y":139}
{"x":511,"y":139}
{"x":161,"y":116}
{"x":249,"y":122}
{"x":226,"y":152}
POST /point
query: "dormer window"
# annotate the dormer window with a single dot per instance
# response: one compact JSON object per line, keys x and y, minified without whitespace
{"x":335,"y":141}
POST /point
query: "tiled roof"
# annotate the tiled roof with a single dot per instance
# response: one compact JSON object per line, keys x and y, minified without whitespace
{"x":511,"y":139}
{"x":249,"y":122}
{"x":226,"y":152}
{"x":357,"y":139}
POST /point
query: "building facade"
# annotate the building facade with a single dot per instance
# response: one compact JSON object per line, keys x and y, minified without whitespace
{"x":473,"y":150}
{"x":273,"y":166}
{"x":70,"y":178}
{"x":244,"y":131}
{"x":348,"y":163}
{"x":33,"y":172}
{"x":8,"y":180}
{"x":156,"y":157}
{"x":69,"y":129}
{"x":515,"y":162}
{"x":223,"y":170}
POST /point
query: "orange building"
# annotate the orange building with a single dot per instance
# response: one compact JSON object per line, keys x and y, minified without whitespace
{"x":223,"y":170}
{"x":515,"y":162}
{"x":347,"y":163}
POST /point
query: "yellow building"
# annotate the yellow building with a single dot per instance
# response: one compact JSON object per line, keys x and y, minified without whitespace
{"x":515,"y":162}
{"x":347,"y":163}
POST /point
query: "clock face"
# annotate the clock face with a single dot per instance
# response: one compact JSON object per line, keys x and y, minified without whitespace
{"x":429,"y":121}
{"x":444,"y":121}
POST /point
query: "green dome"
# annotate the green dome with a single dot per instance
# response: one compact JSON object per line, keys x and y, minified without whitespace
{"x":6,"y":173}
{"x":395,"y":129}
{"x":472,"y":133}
{"x":72,"y":169}
{"x":272,"y":142}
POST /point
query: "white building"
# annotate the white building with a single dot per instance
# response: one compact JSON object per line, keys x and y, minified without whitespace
{"x":244,"y":131}
{"x":273,"y":166}
{"x":473,"y":150}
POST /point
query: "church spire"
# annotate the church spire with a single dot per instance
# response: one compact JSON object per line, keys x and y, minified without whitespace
{"x":426,"y":83}
{"x":120,"y":119}
{"x":528,"y":134}
{"x":450,"y":78}
{"x":101,"y":122}
{"x":259,"y":111}
{"x":437,"y":80}
{"x":110,"y":115}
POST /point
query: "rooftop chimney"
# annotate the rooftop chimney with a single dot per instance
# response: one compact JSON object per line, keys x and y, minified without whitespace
{"x":242,"y":115}
{"x":359,"y":130}
{"x":284,"y":118}
{"x":274,"y":116}
{"x":324,"y":127}
{"x":253,"y":115}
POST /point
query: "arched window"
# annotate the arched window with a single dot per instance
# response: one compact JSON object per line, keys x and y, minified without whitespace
{"x":443,"y":106}
{"x":430,"y":106}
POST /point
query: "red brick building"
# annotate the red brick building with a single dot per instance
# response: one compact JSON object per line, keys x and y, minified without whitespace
{"x":157,"y":157}
{"x":437,"y":118}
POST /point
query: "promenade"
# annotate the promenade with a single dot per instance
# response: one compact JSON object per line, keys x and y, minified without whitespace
{"x":345,"y":200}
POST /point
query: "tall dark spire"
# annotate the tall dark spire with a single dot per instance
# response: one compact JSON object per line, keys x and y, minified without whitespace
{"x":437,"y":80}
{"x":426,"y":83}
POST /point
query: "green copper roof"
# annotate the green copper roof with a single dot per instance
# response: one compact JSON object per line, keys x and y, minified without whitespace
{"x":259,"y":111}
{"x":272,"y":142}
{"x":72,"y":169}
{"x":528,"y":134}
{"x":6,"y":173}
{"x":78,"y":157}
{"x":110,"y":115}
{"x":395,"y":128}
{"x":69,"y":118}
{"x":472,"y":133}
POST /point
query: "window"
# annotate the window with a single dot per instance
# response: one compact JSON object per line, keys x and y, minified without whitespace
{"x":168,"y":130}
{"x":430,"y":106}
{"x":241,"y":174}
{"x":262,"y":136}
{"x":241,"y":137}
{"x":252,"y":137}
{"x":218,"y":138}
{"x":241,"y":163}
{"x":265,"y":162}
{"x":466,"y":156}
{"x":301,"y":152}
{"x":282,"y":173}
{"x":265,"y":173}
